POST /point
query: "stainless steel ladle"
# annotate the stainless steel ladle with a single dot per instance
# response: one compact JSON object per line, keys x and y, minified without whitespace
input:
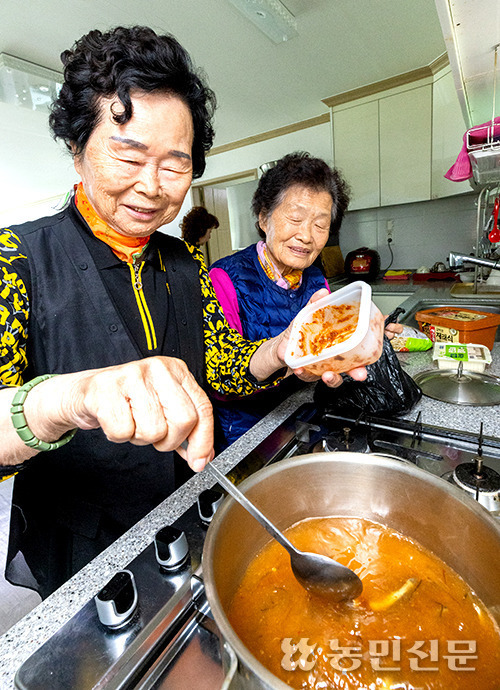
{"x":316,"y":573}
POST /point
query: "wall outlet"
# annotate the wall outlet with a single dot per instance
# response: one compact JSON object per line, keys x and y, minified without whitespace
{"x":389,"y":228}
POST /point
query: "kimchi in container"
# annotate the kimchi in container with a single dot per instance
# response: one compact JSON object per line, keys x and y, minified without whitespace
{"x":337,"y":333}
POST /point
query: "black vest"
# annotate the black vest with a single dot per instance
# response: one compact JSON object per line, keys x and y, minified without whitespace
{"x":70,"y":504}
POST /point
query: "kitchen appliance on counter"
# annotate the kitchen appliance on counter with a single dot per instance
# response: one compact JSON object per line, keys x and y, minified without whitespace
{"x":152,"y":626}
{"x":362,"y":264}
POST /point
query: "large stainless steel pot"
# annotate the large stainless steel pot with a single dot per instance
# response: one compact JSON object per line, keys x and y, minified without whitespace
{"x":424,"y":507}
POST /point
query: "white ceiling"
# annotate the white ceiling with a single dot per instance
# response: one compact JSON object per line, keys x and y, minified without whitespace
{"x":471,"y":31}
{"x":342,"y":45}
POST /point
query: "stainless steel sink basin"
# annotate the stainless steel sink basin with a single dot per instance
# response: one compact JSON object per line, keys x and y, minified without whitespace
{"x":477,"y":304}
{"x":466,"y":291}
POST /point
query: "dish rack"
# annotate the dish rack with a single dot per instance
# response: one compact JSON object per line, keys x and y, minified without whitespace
{"x":483,"y":148}
{"x":483,"y":143}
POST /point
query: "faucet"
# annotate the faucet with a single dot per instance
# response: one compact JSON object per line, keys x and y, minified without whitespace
{"x":457,"y":260}
{"x":483,"y":243}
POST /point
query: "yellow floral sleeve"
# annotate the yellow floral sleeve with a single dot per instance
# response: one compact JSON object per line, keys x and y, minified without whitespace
{"x":227,"y":353}
{"x":14,"y":311}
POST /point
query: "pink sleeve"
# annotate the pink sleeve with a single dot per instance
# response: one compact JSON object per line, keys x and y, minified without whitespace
{"x":226,"y":294}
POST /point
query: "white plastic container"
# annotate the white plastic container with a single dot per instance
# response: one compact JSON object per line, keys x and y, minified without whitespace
{"x":318,"y":341}
{"x":474,"y":357}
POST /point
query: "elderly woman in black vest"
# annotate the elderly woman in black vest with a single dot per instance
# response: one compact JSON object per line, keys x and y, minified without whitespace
{"x":110,"y":331}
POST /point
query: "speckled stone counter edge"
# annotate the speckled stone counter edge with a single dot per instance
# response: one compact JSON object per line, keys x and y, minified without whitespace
{"x":30,"y":633}
{"x":24,"y":638}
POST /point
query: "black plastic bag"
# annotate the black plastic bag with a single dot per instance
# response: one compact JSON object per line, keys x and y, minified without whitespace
{"x":387,"y":389}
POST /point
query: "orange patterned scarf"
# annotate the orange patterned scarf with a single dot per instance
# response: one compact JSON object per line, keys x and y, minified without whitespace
{"x":125,"y":248}
{"x":290,"y":281}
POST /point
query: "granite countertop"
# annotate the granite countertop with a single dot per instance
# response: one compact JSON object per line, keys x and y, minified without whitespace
{"x":410,"y":285}
{"x":30,"y":633}
{"x":433,"y":411}
{"x":448,"y":415}
{"x":24,"y":638}
{"x":380,"y":285}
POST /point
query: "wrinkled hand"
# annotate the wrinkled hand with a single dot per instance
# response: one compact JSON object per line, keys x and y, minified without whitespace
{"x":393,"y":329}
{"x":151,"y":401}
{"x":330,"y":378}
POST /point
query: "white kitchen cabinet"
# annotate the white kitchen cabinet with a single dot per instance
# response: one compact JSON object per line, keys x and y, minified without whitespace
{"x":395,"y":145}
{"x":388,"y":301}
{"x":448,"y":128}
{"x":383,"y":146}
{"x":356,"y":152}
{"x":405,"y":146}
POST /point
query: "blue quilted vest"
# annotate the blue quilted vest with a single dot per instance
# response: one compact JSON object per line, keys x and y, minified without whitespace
{"x":265,"y":311}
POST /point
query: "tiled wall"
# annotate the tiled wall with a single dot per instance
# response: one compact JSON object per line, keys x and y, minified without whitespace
{"x":423,"y":233}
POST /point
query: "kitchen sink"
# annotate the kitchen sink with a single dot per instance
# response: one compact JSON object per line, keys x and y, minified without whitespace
{"x":428,"y":303}
{"x":466,"y":291}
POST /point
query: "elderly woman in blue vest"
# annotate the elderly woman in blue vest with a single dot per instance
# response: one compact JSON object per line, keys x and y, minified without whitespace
{"x":298,"y":203}
{"x":109,"y":330}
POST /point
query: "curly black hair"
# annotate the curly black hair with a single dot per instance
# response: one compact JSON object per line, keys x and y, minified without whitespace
{"x":300,"y":168}
{"x":196,"y":223}
{"x":120,"y":61}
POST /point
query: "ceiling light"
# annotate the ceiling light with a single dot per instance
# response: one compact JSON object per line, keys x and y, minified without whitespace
{"x":27,"y":85}
{"x":270,"y":16}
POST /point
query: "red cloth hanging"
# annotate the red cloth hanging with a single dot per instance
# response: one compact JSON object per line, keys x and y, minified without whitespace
{"x":481,"y":134}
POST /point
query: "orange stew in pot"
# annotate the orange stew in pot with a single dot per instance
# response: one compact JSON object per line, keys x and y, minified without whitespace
{"x":417,"y":624}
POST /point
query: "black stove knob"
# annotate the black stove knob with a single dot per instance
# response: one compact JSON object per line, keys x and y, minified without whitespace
{"x":171,"y":548}
{"x":117,"y":601}
{"x":208,"y":502}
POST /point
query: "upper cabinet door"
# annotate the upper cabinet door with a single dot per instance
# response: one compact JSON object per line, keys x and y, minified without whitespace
{"x":356,"y":152}
{"x":448,"y":128}
{"x":394,"y":145}
{"x":405,"y":146}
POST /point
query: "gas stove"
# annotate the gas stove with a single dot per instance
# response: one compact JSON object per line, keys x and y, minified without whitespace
{"x":469,"y":460}
{"x":151,"y":626}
